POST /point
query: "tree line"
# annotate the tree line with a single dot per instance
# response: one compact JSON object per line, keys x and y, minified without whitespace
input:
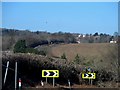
{"x":33,"y":39}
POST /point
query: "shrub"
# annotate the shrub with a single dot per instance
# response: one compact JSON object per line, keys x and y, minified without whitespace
{"x":63,"y":56}
{"x":77,"y":59}
{"x":20,"y":47}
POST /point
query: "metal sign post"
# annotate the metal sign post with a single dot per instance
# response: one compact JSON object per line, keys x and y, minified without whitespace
{"x":91,"y":82}
{"x":46,"y":80}
{"x":53,"y":82}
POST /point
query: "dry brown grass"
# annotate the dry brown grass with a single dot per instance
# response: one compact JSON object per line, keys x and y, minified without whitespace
{"x":86,"y":50}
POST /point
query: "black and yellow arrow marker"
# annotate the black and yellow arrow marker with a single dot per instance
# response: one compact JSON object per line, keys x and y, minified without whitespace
{"x":50,"y":73}
{"x":88,"y":75}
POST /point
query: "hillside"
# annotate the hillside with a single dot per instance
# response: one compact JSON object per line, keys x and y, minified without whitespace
{"x":91,"y":54}
{"x":83,"y":49}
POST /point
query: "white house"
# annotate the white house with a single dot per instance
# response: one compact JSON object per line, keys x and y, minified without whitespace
{"x":113,"y":42}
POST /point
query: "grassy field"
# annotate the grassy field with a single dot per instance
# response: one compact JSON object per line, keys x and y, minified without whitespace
{"x":86,"y":50}
{"x":94,"y":55}
{"x":99,"y":55}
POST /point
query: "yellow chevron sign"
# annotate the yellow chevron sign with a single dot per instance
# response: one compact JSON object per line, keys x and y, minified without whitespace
{"x":50,"y":73}
{"x":88,"y":75}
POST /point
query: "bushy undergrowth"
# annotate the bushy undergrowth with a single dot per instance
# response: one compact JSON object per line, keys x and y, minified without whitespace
{"x":30,"y":68}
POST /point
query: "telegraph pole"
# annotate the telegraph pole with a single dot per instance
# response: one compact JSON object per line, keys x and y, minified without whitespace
{"x":15,"y":75}
{"x":6,"y":71}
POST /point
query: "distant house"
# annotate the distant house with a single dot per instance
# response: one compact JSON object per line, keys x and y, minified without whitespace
{"x":89,"y":38}
{"x":84,"y":36}
{"x":113,"y":41}
{"x":79,"y":35}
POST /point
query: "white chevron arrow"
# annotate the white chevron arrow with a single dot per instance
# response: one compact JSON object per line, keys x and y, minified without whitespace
{"x":55,"y":74}
{"x":47,"y":73}
{"x":92,"y":75}
{"x":86,"y":75}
